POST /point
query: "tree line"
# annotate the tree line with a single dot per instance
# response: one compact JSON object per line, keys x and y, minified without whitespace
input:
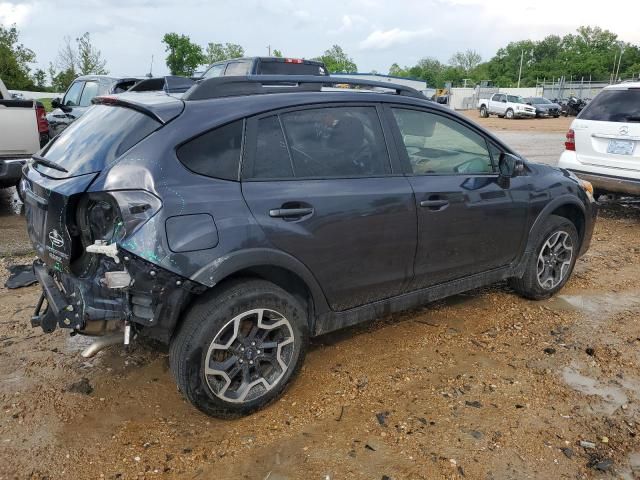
{"x":590,"y":54}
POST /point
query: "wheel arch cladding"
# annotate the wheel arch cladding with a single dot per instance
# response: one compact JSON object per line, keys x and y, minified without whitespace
{"x":566,"y":206}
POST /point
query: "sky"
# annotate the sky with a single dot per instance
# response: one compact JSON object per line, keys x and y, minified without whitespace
{"x":375,"y":33}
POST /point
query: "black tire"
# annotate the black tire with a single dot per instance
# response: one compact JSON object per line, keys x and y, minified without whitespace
{"x":20,"y":192}
{"x":529,"y":285}
{"x":509,"y":114}
{"x":556,"y":116}
{"x":212,"y":315}
{"x":483,"y":112}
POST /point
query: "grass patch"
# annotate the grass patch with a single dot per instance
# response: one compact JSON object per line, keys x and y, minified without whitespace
{"x":47,"y":103}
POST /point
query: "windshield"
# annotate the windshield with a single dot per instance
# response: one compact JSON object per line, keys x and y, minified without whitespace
{"x":96,"y":139}
{"x":614,"y":106}
{"x":515,"y":99}
{"x":539,"y":101}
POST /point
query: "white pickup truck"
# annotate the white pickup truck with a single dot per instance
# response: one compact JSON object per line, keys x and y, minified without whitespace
{"x":508,"y":106}
{"x":23,"y":131}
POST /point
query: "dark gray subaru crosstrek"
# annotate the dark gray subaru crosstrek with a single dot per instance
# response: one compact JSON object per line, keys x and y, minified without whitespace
{"x":254,"y":212}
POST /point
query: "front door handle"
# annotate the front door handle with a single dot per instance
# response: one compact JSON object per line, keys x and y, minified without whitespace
{"x":290,"y":212}
{"x":434,"y":204}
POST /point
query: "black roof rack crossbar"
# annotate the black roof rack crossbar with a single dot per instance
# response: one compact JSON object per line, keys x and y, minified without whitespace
{"x":220,"y":87}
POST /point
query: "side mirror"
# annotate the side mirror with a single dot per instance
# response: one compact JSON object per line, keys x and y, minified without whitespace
{"x":504,"y":100}
{"x":509,"y":166}
{"x":56,"y":102}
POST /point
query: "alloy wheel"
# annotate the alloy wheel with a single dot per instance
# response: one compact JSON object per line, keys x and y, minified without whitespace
{"x":249,"y":355}
{"x":554,"y":260}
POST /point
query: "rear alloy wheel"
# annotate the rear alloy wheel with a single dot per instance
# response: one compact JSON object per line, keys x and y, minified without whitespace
{"x":550,"y":267}
{"x":483,"y":112}
{"x":239,"y":347}
{"x":509,"y":114}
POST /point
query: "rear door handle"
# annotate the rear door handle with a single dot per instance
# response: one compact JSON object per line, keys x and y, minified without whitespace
{"x":290,"y":212}
{"x":434,"y":204}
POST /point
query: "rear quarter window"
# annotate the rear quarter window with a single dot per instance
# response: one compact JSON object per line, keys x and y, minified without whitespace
{"x":614,"y":106}
{"x":215,"y":153}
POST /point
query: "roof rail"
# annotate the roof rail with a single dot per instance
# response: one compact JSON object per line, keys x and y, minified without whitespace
{"x":219,"y":87}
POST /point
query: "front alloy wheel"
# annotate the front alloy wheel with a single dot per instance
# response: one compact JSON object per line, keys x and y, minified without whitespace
{"x":549,"y":266}
{"x":554,"y":260}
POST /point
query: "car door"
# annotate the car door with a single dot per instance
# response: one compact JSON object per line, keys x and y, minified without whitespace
{"x":467,"y":222}
{"x":320,"y":183}
{"x":499,"y":104}
{"x":60,"y":118}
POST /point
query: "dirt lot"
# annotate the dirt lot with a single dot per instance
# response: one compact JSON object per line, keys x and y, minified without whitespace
{"x":482,"y":386}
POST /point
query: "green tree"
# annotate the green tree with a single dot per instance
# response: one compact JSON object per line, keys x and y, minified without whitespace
{"x":467,"y":60}
{"x":336,"y":60}
{"x":277,"y":53}
{"x":217,"y":52}
{"x":40,"y":79}
{"x":89,"y":58}
{"x":14,"y":60}
{"x":184,"y":56}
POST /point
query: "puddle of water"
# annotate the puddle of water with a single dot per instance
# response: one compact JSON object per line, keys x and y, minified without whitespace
{"x":596,"y":305}
{"x":614,"y":397}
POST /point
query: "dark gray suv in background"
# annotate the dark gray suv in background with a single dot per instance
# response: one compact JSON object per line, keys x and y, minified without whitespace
{"x":254,"y":212}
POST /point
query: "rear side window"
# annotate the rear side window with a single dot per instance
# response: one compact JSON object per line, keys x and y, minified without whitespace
{"x":273,"y":67}
{"x":96,"y":140}
{"x":614,"y":106}
{"x":215,"y":153}
{"x":237,"y":69}
{"x":271,"y":157}
{"x":336,"y":142}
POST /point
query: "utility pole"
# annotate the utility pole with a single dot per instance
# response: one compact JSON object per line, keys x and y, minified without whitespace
{"x":150,"y":75}
{"x":520,"y":72}
{"x":269,"y":48}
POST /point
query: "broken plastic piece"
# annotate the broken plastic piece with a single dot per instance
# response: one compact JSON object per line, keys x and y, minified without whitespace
{"x":101,"y":247}
{"x":127,"y":333}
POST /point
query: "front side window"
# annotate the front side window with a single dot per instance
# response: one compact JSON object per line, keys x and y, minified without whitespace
{"x":215,"y":71}
{"x":88,"y":93}
{"x":439,"y":145}
{"x":72,"y":97}
{"x":336,"y":142}
{"x":215,"y":153}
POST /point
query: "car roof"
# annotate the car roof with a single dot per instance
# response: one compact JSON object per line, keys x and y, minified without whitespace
{"x":108,"y":78}
{"x":313,"y":62}
{"x":623,"y":86}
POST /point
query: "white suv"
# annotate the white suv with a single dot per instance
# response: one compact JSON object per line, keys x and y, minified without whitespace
{"x":603,"y":144}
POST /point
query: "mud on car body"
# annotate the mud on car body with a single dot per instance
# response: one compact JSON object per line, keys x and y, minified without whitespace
{"x":254,"y":212}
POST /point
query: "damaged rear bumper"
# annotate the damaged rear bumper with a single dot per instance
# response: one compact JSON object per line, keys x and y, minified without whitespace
{"x":102,"y":302}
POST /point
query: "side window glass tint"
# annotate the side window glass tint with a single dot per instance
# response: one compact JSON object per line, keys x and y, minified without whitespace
{"x":215,"y":153}
{"x":271,"y":159}
{"x":88,"y":93}
{"x":215,"y":71}
{"x":237,"y":69}
{"x":72,"y":98}
{"x":336,"y":142}
{"x":439,"y":145}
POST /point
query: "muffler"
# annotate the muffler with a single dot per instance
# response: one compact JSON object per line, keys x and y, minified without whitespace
{"x":101,"y":343}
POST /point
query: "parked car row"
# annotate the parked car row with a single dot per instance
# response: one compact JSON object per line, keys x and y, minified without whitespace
{"x":514,"y":106}
{"x":237,"y":220}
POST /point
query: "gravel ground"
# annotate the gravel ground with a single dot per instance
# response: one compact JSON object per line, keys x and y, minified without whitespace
{"x":485,"y":385}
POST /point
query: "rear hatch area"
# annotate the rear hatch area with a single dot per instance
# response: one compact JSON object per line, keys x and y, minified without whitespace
{"x":56,"y":180}
{"x":607,"y":132}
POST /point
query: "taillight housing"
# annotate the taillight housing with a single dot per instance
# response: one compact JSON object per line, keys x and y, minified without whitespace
{"x":41,"y":116}
{"x":570,"y":143}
